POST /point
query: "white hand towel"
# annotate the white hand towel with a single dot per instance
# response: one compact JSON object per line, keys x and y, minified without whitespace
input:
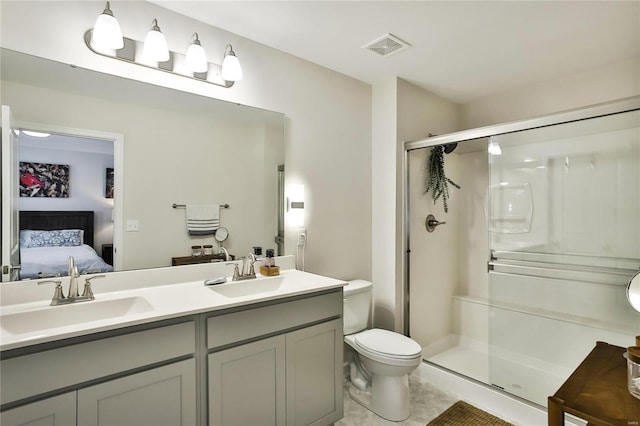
{"x":203,"y":219}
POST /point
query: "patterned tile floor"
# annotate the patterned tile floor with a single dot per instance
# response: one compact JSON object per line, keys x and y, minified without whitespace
{"x":427,"y":403}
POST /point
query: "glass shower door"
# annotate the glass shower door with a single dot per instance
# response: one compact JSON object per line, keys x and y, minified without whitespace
{"x":563,"y":214}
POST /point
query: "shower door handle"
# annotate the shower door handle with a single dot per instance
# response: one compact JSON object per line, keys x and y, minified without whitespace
{"x":430,"y":223}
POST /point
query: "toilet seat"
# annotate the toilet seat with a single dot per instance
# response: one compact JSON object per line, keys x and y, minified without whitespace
{"x":386,"y":347}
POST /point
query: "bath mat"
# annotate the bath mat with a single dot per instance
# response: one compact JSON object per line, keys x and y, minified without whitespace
{"x":464,"y":414}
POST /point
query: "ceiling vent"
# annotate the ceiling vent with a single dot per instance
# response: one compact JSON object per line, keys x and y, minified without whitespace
{"x":386,"y":45}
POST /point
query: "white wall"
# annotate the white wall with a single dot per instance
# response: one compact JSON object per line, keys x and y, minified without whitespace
{"x":328,"y":135}
{"x":434,"y":262}
{"x":609,"y":83}
{"x":401,"y":112}
{"x":384,"y":214}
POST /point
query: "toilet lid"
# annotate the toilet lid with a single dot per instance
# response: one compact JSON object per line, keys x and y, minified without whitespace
{"x":388,"y":343}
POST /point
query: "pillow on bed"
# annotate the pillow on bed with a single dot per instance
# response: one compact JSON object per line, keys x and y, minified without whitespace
{"x":59,"y":238}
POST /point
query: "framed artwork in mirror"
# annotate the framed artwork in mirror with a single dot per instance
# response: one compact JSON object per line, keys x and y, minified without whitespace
{"x":108,"y":190}
{"x":44,"y":180}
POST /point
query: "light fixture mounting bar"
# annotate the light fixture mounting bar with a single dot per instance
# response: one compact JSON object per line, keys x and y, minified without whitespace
{"x":132,"y":53}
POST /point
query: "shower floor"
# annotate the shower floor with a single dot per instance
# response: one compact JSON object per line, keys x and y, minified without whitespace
{"x":460,"y":354}
{"x":530,"y":379}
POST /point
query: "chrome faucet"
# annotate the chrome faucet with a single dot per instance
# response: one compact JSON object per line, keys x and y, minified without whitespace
{"x":250,"y":260}
{"x":73,"y":282}
{"x":71,"y":263}
{"x":226,"y":254}
{"x":73,"y":297}
{"x":247,"y":263}
{"x":247,"y":269}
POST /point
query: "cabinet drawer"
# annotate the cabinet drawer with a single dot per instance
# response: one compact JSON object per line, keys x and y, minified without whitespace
{"x":238,"y":326}
{"x":46,"y":371}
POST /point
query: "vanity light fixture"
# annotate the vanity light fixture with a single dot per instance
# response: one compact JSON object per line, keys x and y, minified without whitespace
{"x":154,"y":53}
{"x":231,"y":70}
{"x":196,"y":59}
{"x":295,"y":205}
{"x":155,"y":44}
{"x":295,"y":200}
{"x":106,"y":31}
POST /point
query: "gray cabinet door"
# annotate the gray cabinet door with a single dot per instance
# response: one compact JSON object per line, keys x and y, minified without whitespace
{"x":161,"y":396}
{"x":247,"y":384}
{"x":314,"y":374}
{"x":55,"y":411}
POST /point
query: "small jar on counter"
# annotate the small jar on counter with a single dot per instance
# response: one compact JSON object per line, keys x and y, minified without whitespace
{"x":207,"y":250}
{"x":633,"y":370}
{"x":196,"y":250}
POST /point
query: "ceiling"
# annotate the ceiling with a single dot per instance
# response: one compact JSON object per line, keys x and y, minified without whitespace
{"x":461,"y":50}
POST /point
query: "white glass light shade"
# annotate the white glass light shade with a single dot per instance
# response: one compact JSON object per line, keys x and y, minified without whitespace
{"x":231,"y":70}
{"x":494,"y":148}
{"x":106,"y":32}
{"x":155,"y":45}
{"x":36,"y":134}
{"x":196,"y":59}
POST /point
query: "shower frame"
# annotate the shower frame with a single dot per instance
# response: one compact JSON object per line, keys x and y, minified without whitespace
{"x":585,"y":113}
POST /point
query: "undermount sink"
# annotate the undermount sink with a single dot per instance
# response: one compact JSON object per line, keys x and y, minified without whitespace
{"x":66,"y":315}
{"x":251,"y":287}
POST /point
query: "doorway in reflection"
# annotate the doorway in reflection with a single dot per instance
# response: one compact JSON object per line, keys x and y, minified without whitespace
{"x":59,"y":176}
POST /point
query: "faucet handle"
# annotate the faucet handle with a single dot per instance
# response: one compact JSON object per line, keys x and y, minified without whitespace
{"x":236,"y":271}
{"x":87,"y":292}
{"x":57,"y":294}
{"x":57,"y":282}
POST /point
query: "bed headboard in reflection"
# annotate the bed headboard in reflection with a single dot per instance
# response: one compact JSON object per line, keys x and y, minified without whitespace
{"x":55,"y":219}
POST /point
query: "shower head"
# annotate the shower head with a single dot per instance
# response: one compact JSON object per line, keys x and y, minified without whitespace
{"x":450,"y":147}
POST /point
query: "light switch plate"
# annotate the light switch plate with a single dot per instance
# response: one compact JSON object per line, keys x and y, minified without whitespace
{"x":133,"y":225}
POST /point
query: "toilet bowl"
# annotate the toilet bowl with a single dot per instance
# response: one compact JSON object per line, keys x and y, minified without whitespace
{"x":381,"y":359}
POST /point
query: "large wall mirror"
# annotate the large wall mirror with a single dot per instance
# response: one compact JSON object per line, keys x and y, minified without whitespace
{"x":177,"y":148}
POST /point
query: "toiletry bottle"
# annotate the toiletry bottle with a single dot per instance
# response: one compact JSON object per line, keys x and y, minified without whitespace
{"x":270,"y":261}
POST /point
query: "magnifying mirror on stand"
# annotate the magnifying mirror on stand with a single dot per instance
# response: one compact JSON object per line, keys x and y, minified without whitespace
{"x":633,"y":291}
{"x":221,"y":235}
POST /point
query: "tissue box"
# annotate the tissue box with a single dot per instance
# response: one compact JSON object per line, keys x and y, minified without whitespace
{"x":270,"y":271}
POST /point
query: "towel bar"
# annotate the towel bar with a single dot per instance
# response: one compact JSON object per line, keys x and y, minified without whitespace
{"x":182,"y":206}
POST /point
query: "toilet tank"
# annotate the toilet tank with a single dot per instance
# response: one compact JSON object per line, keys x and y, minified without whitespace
{"x":357,"y":306}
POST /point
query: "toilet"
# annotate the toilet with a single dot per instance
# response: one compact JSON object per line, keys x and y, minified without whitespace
{"x":382,"y":360}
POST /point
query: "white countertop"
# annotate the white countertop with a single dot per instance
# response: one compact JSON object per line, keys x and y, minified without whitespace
{"x":25,"y":324}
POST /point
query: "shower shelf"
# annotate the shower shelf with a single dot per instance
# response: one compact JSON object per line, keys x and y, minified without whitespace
{"x":510,"y":208}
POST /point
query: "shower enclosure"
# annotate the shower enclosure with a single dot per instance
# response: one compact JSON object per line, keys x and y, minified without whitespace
{"x":530,"y":268}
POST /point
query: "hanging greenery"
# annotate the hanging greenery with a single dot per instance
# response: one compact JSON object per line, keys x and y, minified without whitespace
{"x":436,"y":181}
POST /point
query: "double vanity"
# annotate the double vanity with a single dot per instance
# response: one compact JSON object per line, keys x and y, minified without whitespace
{"x":262,"y":351}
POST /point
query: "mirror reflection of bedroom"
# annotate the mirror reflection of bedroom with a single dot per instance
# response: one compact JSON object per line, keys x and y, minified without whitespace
{"x":65,"y":204}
